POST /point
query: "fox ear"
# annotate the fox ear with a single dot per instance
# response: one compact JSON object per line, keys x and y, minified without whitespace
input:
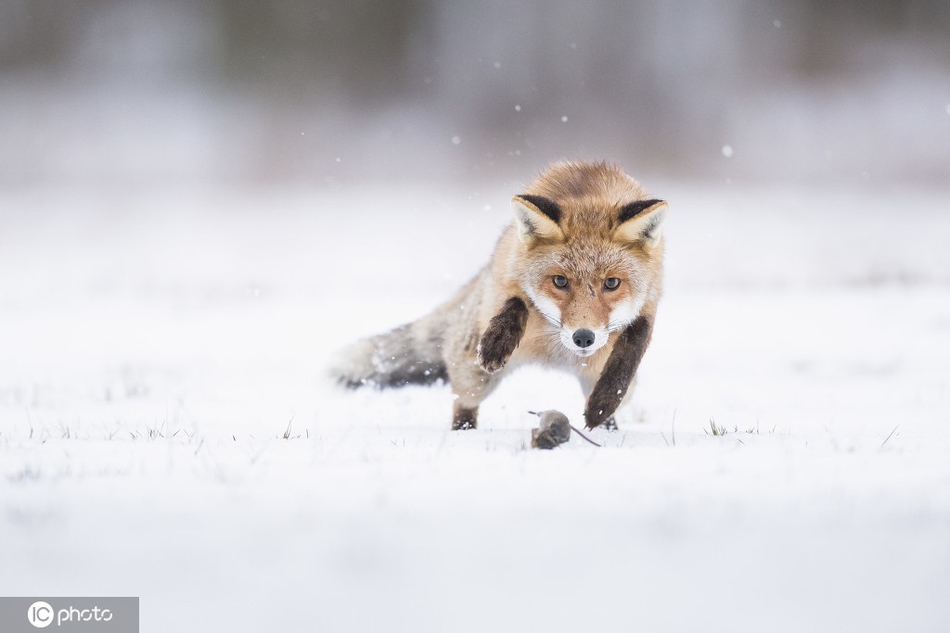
{"x":536,"y":218}
{"x":642,"y":221}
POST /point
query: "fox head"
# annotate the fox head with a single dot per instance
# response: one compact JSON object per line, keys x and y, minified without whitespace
{"x":591,"y":251}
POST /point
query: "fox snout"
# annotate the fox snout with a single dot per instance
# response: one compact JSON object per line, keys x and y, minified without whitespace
{"x":583,"y":341}
{"x":583,"y":338}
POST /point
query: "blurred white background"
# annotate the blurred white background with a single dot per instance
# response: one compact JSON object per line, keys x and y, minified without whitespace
{"x":129,"y":90}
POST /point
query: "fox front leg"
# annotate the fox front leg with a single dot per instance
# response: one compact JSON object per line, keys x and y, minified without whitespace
{"x":619,"y":371}
{"x":502,"y":335}
{"x":473,"y":382}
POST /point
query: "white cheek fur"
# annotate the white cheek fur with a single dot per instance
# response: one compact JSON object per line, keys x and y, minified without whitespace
{"x":624,"y":314}
{"x":547,"y":308}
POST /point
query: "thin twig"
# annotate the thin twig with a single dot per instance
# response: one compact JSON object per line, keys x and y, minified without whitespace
{"x":889,"y":436}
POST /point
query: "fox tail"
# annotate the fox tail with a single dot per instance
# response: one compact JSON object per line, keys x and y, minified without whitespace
{"x":408,"y":355}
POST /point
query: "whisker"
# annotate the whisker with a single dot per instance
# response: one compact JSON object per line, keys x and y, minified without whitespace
{"x":618,"y":324}
{"x":556,"y":322}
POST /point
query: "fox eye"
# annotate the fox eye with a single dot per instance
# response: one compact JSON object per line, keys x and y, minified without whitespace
{"x":560,"y":281}
{"x":611,"y":283}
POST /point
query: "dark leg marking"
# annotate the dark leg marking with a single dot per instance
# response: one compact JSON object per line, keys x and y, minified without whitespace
{"x":618,"y":372}
{"x":503,"y":334}
{"x":464,"y":419}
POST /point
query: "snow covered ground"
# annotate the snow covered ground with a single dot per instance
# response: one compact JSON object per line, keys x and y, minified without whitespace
{"x":165,"y":431}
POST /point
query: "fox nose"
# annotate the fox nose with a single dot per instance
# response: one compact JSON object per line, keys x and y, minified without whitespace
{"x":583,"y":338}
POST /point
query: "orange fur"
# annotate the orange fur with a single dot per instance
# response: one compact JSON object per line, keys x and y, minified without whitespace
{"x":583,"y":223}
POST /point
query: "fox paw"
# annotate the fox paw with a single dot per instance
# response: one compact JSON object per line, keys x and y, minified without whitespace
{"x":464,"y":419}
{"x":492,"y":357}
{"x":610,"y":424}
{"x":596,"y":415}
{"x":503,"y":335}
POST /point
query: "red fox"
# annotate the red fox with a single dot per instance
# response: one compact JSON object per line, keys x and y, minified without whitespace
{"x":573,"y":283}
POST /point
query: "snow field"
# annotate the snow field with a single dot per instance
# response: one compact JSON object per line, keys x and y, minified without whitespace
{"x":158,"y":345}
